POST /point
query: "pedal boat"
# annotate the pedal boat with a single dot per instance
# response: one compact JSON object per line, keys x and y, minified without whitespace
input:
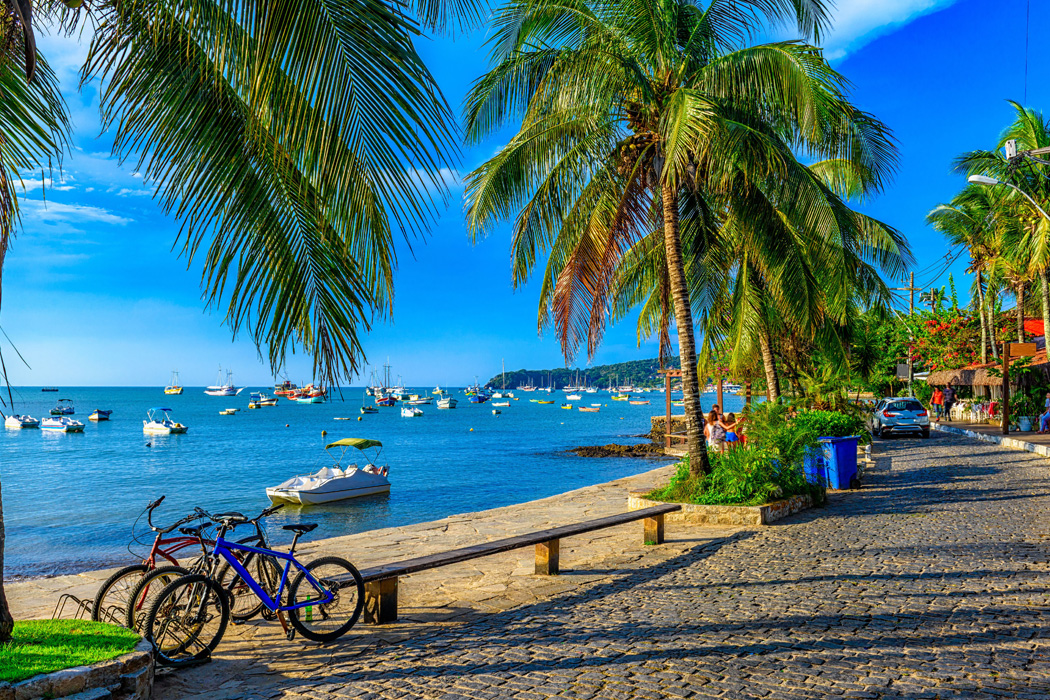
{"x":25,"y":421}
{"x":157,"y":425}
{"x":336,"y":483}
{"x":62,"y":424}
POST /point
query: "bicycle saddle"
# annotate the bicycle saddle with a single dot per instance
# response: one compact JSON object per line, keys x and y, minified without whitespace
{"x":301,"y":528}
{"x":192,"y":531}
{"x":232,"y":517}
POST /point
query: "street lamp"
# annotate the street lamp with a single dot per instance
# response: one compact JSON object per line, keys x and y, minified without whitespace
{"x":984,"y":180}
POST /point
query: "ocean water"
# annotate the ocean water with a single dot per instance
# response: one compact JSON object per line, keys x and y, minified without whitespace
{"x":70,"y":500}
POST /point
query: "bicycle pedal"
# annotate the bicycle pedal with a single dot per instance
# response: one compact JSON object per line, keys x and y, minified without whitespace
{"x":290,"y":633}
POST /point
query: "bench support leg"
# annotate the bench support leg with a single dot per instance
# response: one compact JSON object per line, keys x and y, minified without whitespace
{"x":547,"y":557}
{"x":654,"y":529}
{"x":381,"y":601}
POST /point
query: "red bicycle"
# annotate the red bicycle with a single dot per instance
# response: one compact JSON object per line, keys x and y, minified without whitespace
{"x":113,"y":597}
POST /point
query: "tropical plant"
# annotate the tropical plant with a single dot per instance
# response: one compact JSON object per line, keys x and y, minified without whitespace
{"x":294,"y":141}
{"x":637,"y":119}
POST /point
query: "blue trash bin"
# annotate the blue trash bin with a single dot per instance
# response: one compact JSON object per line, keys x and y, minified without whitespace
{"x":815,"y":467}
{"x":840,"y":458}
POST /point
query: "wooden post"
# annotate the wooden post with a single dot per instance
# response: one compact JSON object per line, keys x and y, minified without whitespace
{"x":721,"y":406}
{"x":547,"y":557}
{"x":667,"y":425}
{"x":653,"y":529}
{"x":381,"y":601}
{"x":1006,"y":389}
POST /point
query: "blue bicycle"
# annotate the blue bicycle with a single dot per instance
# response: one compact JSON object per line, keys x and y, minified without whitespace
{"x":189,"y":616}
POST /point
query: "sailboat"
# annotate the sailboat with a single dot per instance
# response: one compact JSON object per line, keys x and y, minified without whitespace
{"x":222,"y":388}
{"x":174,"y":387}
{"x":503,"y":381}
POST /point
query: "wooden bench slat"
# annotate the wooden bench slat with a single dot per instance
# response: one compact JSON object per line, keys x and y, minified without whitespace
{"x":432,"y":561}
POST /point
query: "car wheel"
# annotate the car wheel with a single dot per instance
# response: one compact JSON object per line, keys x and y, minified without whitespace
{"x":926,"y":434}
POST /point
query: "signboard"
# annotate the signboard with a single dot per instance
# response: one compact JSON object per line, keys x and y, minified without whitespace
{"x":902,"y":371}
{"x":1021,"y":349}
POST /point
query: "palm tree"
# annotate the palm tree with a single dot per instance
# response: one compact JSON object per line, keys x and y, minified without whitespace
{"x":633,"y":112}
{"x":294,"y":141}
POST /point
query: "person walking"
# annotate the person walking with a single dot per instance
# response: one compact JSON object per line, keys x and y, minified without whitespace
{"x":949,"y":401}
{"x":938,"y":403}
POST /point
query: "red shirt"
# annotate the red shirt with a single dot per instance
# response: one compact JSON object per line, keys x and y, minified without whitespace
{"x":938,"y":397}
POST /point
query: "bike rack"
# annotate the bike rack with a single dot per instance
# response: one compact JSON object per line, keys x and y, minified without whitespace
{"x":83,"y":607}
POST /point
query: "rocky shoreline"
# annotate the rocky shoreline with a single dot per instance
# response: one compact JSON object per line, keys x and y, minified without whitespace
{"x":645,"y":449}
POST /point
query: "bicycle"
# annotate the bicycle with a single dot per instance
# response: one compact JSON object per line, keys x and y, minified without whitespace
{"x":160,"y":577}
{"x":188,"y":618}
{"x":114,"y":595}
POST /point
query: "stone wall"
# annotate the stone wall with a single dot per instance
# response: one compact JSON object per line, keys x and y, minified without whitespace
{"x":657,"y":431}
{"x":740,"y":516}
{"x":127,"y":677}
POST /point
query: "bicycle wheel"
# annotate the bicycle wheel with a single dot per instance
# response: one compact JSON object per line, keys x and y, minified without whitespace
{"x":111,"y":601}
{"x":186,"y":620}
{"x":138,"y":601}
{"x":325,"y":622}
{"x":244,"y":603}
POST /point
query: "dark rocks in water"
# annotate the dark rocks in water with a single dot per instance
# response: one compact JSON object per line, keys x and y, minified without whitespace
{"x":646,"y":449}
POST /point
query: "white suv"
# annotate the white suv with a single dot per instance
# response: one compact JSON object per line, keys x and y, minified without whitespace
{"x":900,"y":414}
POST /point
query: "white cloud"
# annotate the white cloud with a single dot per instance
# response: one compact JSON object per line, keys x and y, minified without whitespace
{"x":856,"y":22}
{"x":125,"y":192}
{"x":58,"y":213}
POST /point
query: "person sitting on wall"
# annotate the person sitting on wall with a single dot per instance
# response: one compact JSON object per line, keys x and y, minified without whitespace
{"x":1044,"y":417}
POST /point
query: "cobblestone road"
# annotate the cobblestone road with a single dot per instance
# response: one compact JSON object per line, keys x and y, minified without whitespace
{"x":931,"y":582}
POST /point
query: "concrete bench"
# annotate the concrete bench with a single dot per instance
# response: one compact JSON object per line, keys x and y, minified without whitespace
{"x":381,"y":581}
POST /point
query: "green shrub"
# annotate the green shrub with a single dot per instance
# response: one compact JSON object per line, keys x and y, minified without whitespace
{"x":831,"y":424}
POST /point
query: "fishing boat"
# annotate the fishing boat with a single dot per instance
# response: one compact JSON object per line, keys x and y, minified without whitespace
{"x":368,"y":410}
{"x":621,"y":397}
{"x":479,"y":398}
{"x":158,"y":422}
{"x":438,"y":391}
{"x":592,"y":409}
{"x":285,"y":388}
{"x":228,"y":412}
{"x":62,"y":424}
{"x":64,"y":407}
{"x":337,"y":483}
{"x":173,"y":388}
{"x":417,"y":400}
{"x":258,"y":400}
{"x":566,"y":406}
{"x":21,"y":421}
{"x":312,"y":398}
{"x":410,"y":412}
{"x":99,"y":414}
{"x":447,"y":402}
{"x":223,"y":388}
{"x":538,"y":401}
{"x":386,"y":401}
{"x":639,"y":403}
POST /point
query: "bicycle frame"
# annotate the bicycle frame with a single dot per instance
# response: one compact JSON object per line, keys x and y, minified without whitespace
{"x":224,"y":548}
{"x":177,"y":544}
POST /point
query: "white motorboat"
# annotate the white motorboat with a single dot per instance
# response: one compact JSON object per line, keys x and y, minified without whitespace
{"x":159,"y":422}
{"x":501,"y":403}
{"x":62,"y":424}
{"x":228,"y":412}
{"x":573,"y":397}
{"x":26,"y":421}
{"x":447,"y":402}
{"x":64,"y":407}
{"x":410,"y":412}
{"x":223,"y":388}
{"x":336,"y":483}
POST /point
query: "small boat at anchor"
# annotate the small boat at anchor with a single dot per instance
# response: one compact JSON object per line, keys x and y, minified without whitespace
{"x":639,"y":403}
{"x":64,"y":407}
{"x":21,"y":421}
{"x":566,"y":406}
{"x":501,"y":403}
{"x":99,"y":414}
{"x":158,"y":422}
{"x":174,"y":388}
{"x":411,"y":412}
{"x":336,"y":483}
{"x":447,"y":402}
{"x":61,"y":424}
{"x":228,"y":412}
{"x":585,"y":409}
{"x":223,"y":388}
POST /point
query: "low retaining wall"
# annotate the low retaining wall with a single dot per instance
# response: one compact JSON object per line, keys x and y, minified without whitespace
{"x":1003,"y":440}
{"x":657,"y":431}
{"x":126,"y":677}
{"x":726,"y":515}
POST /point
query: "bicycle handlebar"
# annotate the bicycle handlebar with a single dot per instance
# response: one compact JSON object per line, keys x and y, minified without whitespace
{"x":165,"y":530}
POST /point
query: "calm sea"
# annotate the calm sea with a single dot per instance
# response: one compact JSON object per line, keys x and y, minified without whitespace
{"x":70,"y":500}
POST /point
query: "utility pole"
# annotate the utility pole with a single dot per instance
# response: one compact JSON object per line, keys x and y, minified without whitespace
{"x":910,"y":289}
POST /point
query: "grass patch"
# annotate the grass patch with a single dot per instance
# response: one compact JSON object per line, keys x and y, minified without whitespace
{"x":43,"y":646}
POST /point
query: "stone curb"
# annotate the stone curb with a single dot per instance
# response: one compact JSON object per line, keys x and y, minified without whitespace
{"x":126,"y":677}
{"x":1001,"y":440}
{"x":725,"y":515}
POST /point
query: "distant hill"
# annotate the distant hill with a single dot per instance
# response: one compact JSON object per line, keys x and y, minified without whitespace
{"x":636,"y":372}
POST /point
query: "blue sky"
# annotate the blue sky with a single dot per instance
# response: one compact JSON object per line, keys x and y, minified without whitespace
{"x":94,"y":294}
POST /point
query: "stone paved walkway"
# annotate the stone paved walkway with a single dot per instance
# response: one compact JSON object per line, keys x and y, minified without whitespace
{"x":931,"y":582}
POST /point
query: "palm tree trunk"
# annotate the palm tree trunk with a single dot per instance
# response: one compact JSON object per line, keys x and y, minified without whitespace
{"x":694,"y":416}
{"x":747,"y":395}
{"x":769,"y":363}
{"x":1020,"y":313}
{"x":1045,"y":289}
{"x":984,"y":321}
{"x":990,"y":303}
{"x":7,"y":622}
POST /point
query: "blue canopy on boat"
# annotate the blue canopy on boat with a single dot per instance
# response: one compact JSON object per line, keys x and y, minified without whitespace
{"x":160,"y":409}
